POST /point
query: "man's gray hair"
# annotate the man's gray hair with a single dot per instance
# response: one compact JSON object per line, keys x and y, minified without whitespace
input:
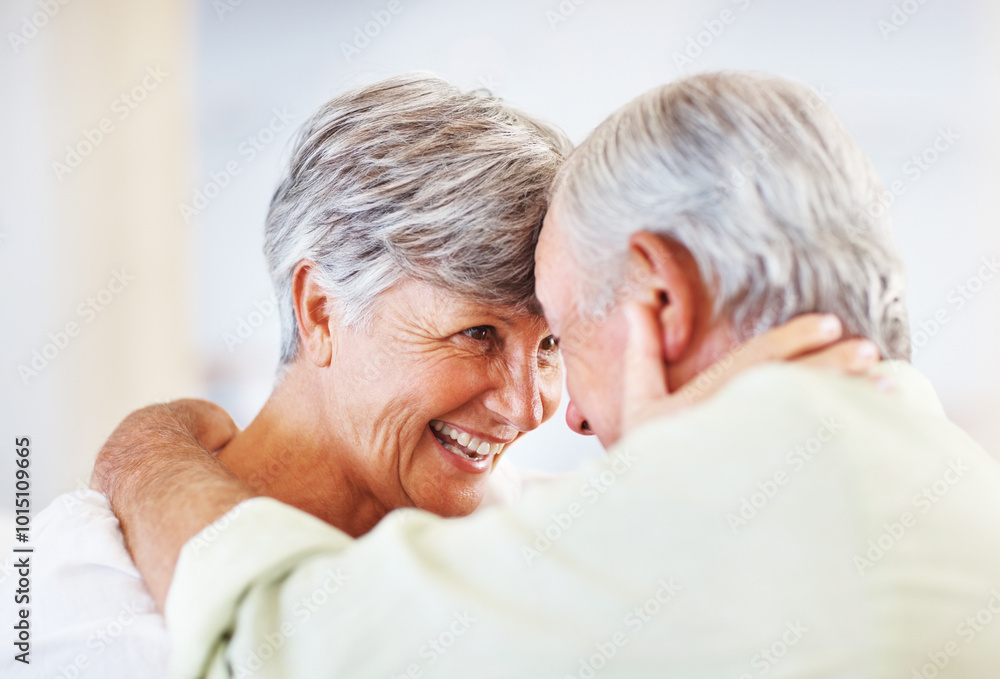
{"x":412,"y":178}
{"x":761,"y":183}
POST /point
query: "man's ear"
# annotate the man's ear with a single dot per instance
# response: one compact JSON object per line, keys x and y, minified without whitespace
{"x":663,"y":281}
{"x":312,"y":314}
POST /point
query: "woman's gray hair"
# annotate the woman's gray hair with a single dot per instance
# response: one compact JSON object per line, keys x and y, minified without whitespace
{"x":412,"y":178}
{"x":760,"y":182}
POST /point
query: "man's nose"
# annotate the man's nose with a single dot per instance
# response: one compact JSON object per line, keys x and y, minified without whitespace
{"x":576,"y":421}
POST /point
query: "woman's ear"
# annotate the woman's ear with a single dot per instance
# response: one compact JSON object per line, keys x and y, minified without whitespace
{"x":312,"y":315}
{"x":663,"y":281}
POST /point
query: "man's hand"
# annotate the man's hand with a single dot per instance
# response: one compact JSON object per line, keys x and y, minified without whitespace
{"x":163,"y":483}
{"x":810,"y":339}
{"x":205,"y":423}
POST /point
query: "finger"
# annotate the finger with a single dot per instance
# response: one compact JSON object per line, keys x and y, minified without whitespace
{"x":644,"y":376}
{"x":798,"y":336}
{"x":209,"y":423}
{"x":853,"y":357}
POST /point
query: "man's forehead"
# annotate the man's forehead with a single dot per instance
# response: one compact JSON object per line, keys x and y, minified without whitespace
{"x":553,"y":270}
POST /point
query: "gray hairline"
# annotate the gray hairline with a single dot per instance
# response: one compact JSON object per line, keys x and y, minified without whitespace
{"x":516,"y":155}
{"x":582,"y":189}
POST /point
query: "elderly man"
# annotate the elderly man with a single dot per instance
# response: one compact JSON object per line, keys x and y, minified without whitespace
{"x":799,"y":523}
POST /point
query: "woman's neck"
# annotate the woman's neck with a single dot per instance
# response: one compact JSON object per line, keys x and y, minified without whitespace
{"x":290,"y":452}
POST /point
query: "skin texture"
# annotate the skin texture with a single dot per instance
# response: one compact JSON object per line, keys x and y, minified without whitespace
{"x":345,"y":436}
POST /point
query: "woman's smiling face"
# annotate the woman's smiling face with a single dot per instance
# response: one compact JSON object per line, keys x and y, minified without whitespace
{"x":431,"y":393}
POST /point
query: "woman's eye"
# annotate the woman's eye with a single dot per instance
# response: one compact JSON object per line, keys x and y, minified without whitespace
{"x":550,"y":343}
{"x":480,"y":333}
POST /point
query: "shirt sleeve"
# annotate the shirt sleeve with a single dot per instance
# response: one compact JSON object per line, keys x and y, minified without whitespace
{"x":273,"y":592}
{"x":258,"y":540}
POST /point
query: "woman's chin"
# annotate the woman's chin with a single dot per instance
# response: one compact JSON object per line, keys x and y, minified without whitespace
{"x":454,"y":504}
{"x":445,"y":495}
{"x":446,"y":483}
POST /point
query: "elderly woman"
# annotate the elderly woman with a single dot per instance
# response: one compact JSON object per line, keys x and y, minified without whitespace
{"x":400,"y":244}
{"x":401,"y":247}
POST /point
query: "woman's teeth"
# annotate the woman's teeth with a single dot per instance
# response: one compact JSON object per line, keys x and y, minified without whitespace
{"x":471,"y":447}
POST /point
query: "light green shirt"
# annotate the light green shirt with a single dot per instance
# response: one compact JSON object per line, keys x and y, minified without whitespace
{"x":798,"y":524}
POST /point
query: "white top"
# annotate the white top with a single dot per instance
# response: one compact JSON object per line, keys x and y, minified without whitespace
{"x":91,"y":615}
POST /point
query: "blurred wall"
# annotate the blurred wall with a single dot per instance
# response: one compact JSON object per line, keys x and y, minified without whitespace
{"x":96,"y":132}
{"x":177,"y":192}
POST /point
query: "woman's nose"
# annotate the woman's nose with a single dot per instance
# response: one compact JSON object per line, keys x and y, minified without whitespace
{"x":519,"y":400}
{"x":576,"y":421}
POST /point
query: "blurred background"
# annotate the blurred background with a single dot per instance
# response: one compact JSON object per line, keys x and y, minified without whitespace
{"x":141,"y":143}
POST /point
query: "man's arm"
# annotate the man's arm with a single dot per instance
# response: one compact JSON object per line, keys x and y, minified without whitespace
{"x":270,"y":591}
{"x":271,"y":566}
{"x":633,"y":559}
{"x":163,"y":485}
